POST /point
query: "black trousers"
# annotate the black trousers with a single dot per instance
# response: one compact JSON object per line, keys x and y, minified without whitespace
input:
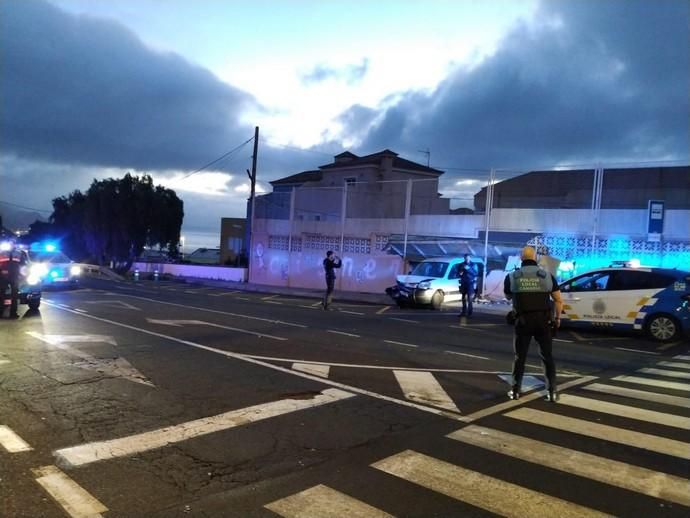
{"x":12,"y":289}
{"x":467,"y":293}
{"x":330,"y":286}
{"x":537,"y":326}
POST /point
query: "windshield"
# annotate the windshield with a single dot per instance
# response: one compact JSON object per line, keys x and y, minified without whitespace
{"x":430,"y":269}
{"x":49,"y":257}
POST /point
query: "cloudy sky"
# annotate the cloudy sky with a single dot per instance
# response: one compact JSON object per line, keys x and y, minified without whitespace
{"x":95,"y":88}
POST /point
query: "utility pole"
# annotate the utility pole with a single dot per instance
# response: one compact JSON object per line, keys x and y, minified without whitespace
{"x":427,"y":152}
{"x":249,"y":233}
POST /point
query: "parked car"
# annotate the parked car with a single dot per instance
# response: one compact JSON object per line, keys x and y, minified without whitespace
{"x":651,"y":300}
{"x":60,"y":270}
{"x":432,"y":282}
{"x":29,"y":279}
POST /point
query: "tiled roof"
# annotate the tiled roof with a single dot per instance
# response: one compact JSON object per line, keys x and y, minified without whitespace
{"x":375,"y":158}
{"x":299,"y":178}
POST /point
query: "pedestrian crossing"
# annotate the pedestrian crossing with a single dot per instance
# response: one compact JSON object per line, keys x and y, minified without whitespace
{"x":606,"y":412}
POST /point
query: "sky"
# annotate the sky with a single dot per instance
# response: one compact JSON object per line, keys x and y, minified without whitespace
{"x":92,"y":89}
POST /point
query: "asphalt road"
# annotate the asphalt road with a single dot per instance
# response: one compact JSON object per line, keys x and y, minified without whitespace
{"x":164,"y":400}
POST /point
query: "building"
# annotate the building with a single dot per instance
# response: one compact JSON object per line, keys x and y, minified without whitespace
{"x":232,"y":247}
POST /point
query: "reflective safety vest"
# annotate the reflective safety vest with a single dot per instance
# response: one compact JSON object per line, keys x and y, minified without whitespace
{"x":531,"y":287}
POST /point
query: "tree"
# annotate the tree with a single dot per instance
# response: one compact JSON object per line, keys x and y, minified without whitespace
{"x":116,"y":218}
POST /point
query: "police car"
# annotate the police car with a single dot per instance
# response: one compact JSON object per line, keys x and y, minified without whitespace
{"x":432,"y":282}
{"x":623,"y":296}
{"x":29,"y":286}
{"x":59,"y":270}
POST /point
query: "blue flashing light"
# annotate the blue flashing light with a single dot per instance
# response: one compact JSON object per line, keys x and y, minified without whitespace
{"x":53,"y":274}
{"x":50,"y":247}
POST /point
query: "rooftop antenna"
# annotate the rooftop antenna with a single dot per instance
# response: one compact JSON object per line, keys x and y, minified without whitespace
{"x":427,"y":152}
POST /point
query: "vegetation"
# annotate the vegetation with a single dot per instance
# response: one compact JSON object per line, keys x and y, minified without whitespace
{"x":114,"y":220}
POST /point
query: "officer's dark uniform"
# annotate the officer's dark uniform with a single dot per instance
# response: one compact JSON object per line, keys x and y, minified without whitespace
{"x":468,"y":277}
{"x":329,"y":266}
{"x":530,"y":288}
{"x":9,"y":278}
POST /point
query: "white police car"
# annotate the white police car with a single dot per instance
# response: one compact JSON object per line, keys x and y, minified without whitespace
{"x":29,"y":286}
{"x":432,"y":282}
{"x":58,"y":269}
{"x":653,"y":300}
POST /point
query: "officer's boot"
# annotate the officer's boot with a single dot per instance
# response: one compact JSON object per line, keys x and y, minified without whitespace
{"x":551,"y":395}
{"x":514,"y":393}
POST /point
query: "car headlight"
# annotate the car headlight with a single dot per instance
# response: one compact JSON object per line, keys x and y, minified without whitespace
{"x":33,"y":280}
{"x":424,"y":285}
{"x":38,"y":270}
{"x":75,"y":270}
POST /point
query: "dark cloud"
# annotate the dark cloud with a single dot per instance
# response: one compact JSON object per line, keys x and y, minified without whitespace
{"x":351,"y":74}
{"x":585,"y":81}
{"x":83,"y":90}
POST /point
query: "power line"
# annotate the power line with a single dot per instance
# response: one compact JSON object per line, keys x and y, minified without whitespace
{"x":222,"y":157}
{"x":24,"y":207}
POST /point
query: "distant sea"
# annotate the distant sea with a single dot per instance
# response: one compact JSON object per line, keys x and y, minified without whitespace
{"x":194,"y":239}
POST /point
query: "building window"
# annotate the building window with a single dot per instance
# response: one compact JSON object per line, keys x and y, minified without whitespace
{"x":350,"y":181}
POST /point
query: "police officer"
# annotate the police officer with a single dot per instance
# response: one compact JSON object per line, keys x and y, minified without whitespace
{"x":10,"y":266}
{"x":468,"y":278}
{"x":331,"y":262}
{"x":531,"y":289}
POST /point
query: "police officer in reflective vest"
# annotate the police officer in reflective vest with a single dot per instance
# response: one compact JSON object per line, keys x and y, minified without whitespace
{"x":532,"y":289}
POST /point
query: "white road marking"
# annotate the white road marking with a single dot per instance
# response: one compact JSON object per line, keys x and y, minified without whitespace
{"x":666,"y":373}
{"x":342,"y":333}
{"x":74,"y":499}
{"x":635,"y":350}
{"x":324,"y":502}
{"x":528,"y":382}
{"x":532,"y":365}
{"x":468,"y":355}
{"x":225,"y":293}
{"x":270,"y":297}
{"x":681,"y":357}
{"x":316,"y":304}
{"x":2,"y":362}
{"x":629,"y":412}
{"x":11,"y":441}
{"x":405,"y":320}
{"x":112,"y":367}
{"x":468,"y":328}
{"x":243,"y":298}
{"x":311,"y":368}
{"x":310,"y":307}
{"x":675,"y":365}
{"x":273,"y":302}
{"x":62,"y":339}
{"x":644,"y":395}
{"x":562,"y":340}
{"x":80,"y":310}
{"x":488,"y":493}
{"x":125,"y":446}
{"x":612,"y":472}
{"x":350,"y":312}
{"x":604,"y":432}
{"x":400,"y":343}
{"x":180,"y":323}
{"x":654,"y":382}
{"x":423,"y":387}
{"x":383,"y":310}
{"x":113,"y":304}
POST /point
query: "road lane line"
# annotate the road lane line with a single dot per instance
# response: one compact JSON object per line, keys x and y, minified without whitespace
{"x":405,"y":320}
{"x":310,"y":307}
{"x":342,"y":333}
{"x":2,"y":362}
{"x":666,"y":373}
{"x":324,"y":502}
{"x":604,"y":432}
{"x":400,"y":343}
{"x":675,"y":365}
{"x":612,"y":472}
{"x":681,"y":357}
{"x":181,"y":323}
{"x":488,"y":493}
{"x":654,"y":382}
{"x":73,"y":498}
{"x":423,"y":387}
{"x":468,"y":355}
{"x":270,"y":297}
{"x":11,"y":441}
{"x":636,"y":350}
{"x":383,"y":310}
{"x":629,"y":412}
{"x":312,"y":368}
{"x":97,"y":451}
{"x":273,"y":302}
{"x":350,"y":312}
{"x":644,"y":395}
{"x":243,"y":298}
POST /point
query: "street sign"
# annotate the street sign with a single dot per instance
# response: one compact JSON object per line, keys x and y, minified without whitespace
{"x":655,"y":220}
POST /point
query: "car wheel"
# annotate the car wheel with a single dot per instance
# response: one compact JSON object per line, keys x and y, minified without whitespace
{"x":34,"y":304}
{"x":663,"y":328}
{"x":437,"y":300}
{"x":401,"y":304}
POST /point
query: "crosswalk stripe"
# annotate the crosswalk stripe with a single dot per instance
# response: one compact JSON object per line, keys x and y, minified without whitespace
{"x":607,"y":433}
{"x":124,"y":446}
{"x":630,"y":412}
{"x":73,"y":498}
{"x":644,"y":395}
{"x":666,"y":373}
{"x":2,"y":362}
{"x":323,"y":502}
{"x":312,"y":368}
{"x":477,"y":489}
{"x":654,"y":382}
{"x":681,"y":357}
{"x":423,"y":388}
{"x":11,"y":441}
{"x":675,"y":365}
{"x":613,"y":472}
